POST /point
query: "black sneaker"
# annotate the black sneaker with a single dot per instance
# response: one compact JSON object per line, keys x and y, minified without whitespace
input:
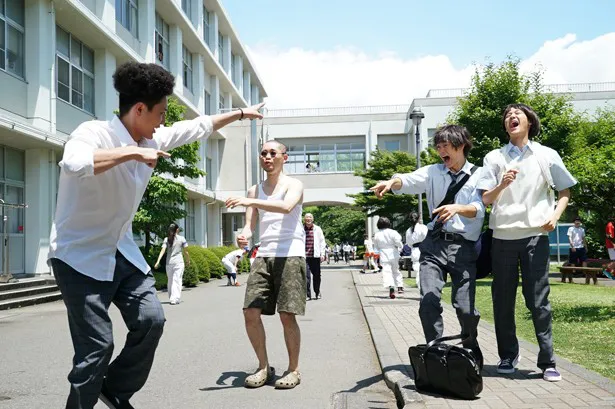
{"x":508,"y":365}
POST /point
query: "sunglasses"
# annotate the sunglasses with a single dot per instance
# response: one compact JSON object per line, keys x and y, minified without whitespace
{"x":271,"y":153}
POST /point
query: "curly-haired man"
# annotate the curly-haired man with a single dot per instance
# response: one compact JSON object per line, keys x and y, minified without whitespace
{"x":104,"y":172}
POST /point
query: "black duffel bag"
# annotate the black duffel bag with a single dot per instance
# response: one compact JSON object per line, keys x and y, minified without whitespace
{"x":446,"y":369}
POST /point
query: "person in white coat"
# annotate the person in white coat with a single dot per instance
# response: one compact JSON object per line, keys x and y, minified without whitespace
{"x":230,"y":263}
{"x":387,"y":242}
{"x":414,"y":236}
{"x":175,"y":265}
{"x":314,"y":254}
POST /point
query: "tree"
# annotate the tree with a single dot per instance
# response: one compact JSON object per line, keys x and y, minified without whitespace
{"x":592,"y":164}
{"x":339,"y":224}
{"x":492,"y":88}
{"x":163,"y":197}
{"x":382,"y":166}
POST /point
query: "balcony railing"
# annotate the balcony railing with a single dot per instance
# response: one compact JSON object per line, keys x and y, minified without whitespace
{"x":339,"y":111}
{"x":553,"y":88}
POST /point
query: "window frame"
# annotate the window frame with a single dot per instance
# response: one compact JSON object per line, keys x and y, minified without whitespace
{"x":166,"y":45}
{"x":187,"y":69}
{"x":123,"y":15}
{"x":10,"y":23}
{"x":206,"y":28}
{"x":310,"y":158}
{"x":71,"y":67}
{"x":190,"y":220}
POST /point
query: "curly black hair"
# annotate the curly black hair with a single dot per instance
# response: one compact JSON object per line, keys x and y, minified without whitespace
{"x":139,"y":82}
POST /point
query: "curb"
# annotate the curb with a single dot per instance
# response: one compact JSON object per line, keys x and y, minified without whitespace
{"x":395,"y":373}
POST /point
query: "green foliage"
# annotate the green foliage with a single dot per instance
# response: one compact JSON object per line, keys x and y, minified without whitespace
{"x":198,"y":259}
{"x":191,"y":276}
{"x":216,"y":268}
{"x":382,"y":166}
{"x":493,"y":87}
{"x":161,"y":280}
{"x":163,"y":197}
{"x":339,"y":224}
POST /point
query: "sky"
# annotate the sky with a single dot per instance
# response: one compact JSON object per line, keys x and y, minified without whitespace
{"x":317,"y":53}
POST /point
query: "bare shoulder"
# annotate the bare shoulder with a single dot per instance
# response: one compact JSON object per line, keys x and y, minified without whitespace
{"x":294,"y":183}
{"x":252,"y":191}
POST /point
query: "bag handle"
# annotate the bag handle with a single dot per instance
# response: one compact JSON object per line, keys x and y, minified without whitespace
{"x":442,"y":339}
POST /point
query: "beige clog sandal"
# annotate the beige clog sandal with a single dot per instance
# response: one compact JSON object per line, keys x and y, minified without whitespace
{"x":260,"y":377}
{"x":289,"y":380}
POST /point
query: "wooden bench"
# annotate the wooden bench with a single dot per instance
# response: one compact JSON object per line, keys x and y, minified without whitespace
{"x":590,"y":272}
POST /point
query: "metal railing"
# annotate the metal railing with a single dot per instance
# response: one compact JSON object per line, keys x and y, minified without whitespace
{"x":552,"y":88}
{"x":335,"y":111}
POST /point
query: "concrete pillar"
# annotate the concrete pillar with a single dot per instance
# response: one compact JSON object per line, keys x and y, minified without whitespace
{"x":199,"y":82}
{"x":105,"y":10}
{"x":238,"y":74}
{"x":215,"y":93}
{"x":40,"y":191}
{"x":213,"y":23}
{"x":255,"y":97}
{"x":175,"y":58}
{"x":197,"y":12}
{"x":147,"y":27}
{"x":199,"y":222}
{"x":106,"y":99}
{"x":39,"y":63}
{"x":247,"y":87}
{"x":227,"y":55}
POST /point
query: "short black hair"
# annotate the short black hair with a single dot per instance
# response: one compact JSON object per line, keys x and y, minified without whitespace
{"x":456,"y":135}
{"x":577,"y":218}
{"x":532,"y":118}
{"x":140,"y":82}
{"x":414,"y":218}
{"x":383,"y":223}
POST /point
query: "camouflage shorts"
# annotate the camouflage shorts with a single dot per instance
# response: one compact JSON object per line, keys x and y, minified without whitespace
{"x":277,"y":281}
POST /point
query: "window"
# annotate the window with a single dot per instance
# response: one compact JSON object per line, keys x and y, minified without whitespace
{"x":221,"y":103}
{"x":12,"y":22}
{"x":209,"y":180}
{"x":12,"y":190}
{"x":162,"y":42}
{"x":126,"y":12}
{"x":190,"y":220}
{"x":391,"y":145}
{"x":233,"y":76}
{"x":187,"y":7}
{"x":187,"y":60}
{"x":75,"y":71}
{"x":221,"y":49}
{"x":340,"y":157}
{"x":206,"y":35}
{"x":208,"y":103}
{"x":431,"y":133}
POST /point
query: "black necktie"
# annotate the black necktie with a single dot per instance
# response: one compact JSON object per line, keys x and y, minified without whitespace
{"x":437,"y":228}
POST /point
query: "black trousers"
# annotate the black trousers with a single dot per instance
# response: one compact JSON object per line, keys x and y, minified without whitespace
{"x":87,"y":303}
{"x":313,"y":269}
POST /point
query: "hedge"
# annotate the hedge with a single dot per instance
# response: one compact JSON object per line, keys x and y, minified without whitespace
{"x":205,"y":264}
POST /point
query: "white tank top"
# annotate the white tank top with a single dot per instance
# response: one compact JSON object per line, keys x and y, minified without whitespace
{"x":281,"y":234}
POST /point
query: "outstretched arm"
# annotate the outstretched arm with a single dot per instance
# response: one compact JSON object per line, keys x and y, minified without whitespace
{"x":293,"y":196}
{"x":162,"y":250}
{"x":222,"y":120}
{"x":251,"y":217}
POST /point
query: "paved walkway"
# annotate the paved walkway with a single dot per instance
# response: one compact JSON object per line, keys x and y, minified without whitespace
{"x":395,"y":325}
{"x":204,"y":354}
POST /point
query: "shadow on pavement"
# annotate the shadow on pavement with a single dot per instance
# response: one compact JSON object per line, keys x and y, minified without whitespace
{"x":490,"y":371}
{"x":238,"y":379}
{"x":365,"y":383}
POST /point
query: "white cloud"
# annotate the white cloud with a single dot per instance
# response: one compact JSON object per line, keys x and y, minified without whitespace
{"x":298,"y":78}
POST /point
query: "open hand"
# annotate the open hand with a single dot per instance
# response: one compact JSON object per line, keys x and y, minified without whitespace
{"x":150,"y":156}
{"x":445,"y":213}
{"x":233,"y":202}
{"x":253,"y":111}
{"x":156,"y":266}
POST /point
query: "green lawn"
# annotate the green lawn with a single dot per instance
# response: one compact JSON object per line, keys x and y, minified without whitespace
{"x":583,"y":321}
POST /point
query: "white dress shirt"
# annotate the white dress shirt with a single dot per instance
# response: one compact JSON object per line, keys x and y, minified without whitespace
{"x":434,"y":180}
{"x":94,"y":213}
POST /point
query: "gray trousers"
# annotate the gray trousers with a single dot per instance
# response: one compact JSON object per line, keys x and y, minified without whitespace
{"x":532,"y":254}
{"x":457,"y":258}
{"x":87,"y":302}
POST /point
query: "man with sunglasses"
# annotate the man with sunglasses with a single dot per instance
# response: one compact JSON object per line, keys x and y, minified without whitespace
{"x":278,"y":274}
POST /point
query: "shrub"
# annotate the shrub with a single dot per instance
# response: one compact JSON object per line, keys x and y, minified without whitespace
{"x":191,"y":276}
{"x":161,"y":280}
{"x":216,"y":268}
{"x":200,"y":262}
{"x":244,"y":265}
